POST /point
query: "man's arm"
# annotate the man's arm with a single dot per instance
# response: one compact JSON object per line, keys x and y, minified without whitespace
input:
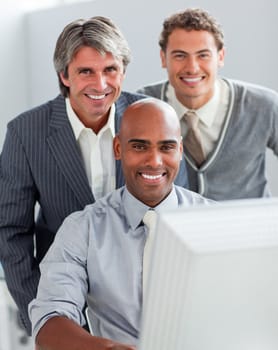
{"x":17,"y":200}
{"x":60,"y":333}
{"x":64,"y":269}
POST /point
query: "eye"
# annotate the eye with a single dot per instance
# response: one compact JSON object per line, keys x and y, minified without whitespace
{"x":179,"y":56}
{"x":168,"y":147}
{"x":139,"y":146}
{"x":85,"y":71}
{"x":204,"y":55}
{"x":111,"y":69}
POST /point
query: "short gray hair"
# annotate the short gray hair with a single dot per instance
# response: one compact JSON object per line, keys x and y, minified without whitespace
{"x":97,"y":32}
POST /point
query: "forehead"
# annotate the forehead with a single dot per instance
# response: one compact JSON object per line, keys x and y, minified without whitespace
{"x":88,"y":56}
{"x":191,"y":40}
{"x":150,"y":123}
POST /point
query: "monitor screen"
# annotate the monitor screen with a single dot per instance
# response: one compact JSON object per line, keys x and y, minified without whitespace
{"x":214,"y":279}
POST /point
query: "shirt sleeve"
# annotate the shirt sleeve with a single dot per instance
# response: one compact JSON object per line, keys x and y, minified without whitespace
{"x":63,"y":284}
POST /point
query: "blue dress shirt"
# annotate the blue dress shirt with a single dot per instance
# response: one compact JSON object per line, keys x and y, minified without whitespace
{"x":97,"y":258}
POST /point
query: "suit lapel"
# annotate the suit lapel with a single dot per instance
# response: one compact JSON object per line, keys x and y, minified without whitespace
{"x":64,"y":148}
{"x":119,"y":174}
{"x":121,"y":105}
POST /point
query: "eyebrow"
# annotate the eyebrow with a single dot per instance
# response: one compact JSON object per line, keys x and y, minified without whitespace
{"x":146,"y":142}
{"x":183,"y":51}
{"x":109,"y":65}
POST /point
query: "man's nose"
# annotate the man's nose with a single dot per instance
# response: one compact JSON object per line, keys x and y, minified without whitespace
{"x":154,"y":158}
{"x":99,"y":82}
{"x":192,"y":64}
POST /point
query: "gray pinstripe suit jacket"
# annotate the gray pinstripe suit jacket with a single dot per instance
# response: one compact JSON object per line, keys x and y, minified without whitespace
{"x":40,"y":163}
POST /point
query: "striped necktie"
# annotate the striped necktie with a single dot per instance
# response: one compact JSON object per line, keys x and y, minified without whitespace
{"x":149,"y":220}
{"x":192,"y":142}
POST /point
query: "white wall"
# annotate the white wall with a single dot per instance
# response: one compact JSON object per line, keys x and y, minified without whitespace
{"x":13,"y":98}
{"x":250,"y":29}
{"x":13,"y":61}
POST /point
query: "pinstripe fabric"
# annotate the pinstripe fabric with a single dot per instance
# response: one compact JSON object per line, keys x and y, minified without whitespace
{"x":40,"y":162}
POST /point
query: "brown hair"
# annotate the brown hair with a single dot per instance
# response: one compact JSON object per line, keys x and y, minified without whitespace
{"x":191,"y":19}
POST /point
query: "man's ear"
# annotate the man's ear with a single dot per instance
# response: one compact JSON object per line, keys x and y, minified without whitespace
{"x":117,"y":147}
{"x":181,"y":147}
{"x":163,"y":59}
{"x":221,"y":56}
{"x":64,"y":80}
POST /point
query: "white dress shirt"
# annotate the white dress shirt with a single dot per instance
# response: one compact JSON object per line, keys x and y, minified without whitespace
{"x":211,"y":115}
{"x":96,"y":151}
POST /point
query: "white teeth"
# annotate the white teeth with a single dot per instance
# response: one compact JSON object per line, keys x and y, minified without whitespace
{"x":96,"y":97}
{"x":151,"y":177}
{"x":192,"y":80}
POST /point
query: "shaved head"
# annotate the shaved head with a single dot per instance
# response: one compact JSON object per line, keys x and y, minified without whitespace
{"x":149,"y":110}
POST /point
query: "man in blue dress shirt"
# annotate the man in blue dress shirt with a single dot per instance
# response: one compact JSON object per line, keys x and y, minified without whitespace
{"x":97,"y":254}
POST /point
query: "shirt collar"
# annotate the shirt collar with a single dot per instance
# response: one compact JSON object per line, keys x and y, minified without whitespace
{"x":135,"y":209}
{"x":78,"y":126}
{"x":206,"y":113}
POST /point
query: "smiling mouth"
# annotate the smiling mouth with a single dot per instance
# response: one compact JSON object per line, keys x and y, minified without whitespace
{"x":152,"y":177}
{"x":97,"y":97}
{"x":192,"y":80}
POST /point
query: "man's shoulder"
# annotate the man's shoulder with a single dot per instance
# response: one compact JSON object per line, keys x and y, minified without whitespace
{"x":126,"y":98}
{"x":35,"y":114}
{"x":190,"y":198}
{"x":155,"y":89}
{"x":252,"y":90}
{"x":102,"y":206}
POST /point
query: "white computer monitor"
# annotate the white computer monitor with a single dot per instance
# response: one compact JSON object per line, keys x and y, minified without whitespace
{"x":214,"y":279}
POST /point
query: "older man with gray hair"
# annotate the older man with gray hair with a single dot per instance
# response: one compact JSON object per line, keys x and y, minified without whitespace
{"x":59,"y":156}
